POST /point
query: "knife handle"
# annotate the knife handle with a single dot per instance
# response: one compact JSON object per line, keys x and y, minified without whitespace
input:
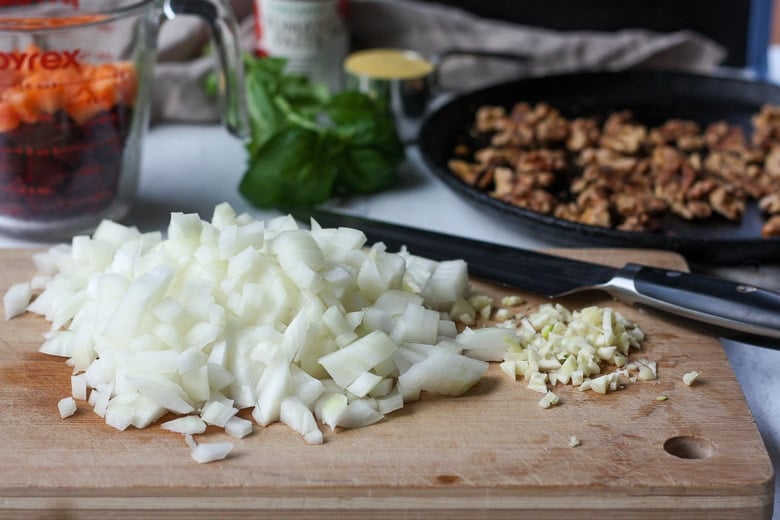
{"x":716,"y":301}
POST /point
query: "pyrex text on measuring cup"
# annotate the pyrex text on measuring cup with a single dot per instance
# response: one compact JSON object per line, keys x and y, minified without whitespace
{"x":75,"y":84}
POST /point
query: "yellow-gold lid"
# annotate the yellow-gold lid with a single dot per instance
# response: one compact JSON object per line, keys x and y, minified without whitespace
{"x":388,"y":64}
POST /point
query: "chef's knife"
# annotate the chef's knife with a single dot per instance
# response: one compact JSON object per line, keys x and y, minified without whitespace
{"x":730,"y":305}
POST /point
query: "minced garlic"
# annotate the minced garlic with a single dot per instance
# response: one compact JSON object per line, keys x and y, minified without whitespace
{"x":555,"y":345}
{"x":690,"y":377}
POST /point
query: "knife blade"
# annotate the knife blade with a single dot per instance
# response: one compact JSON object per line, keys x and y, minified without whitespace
{"x":732,"y":306}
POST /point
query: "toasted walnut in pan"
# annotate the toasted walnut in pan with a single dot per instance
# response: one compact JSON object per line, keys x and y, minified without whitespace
{"x":621,"y":173}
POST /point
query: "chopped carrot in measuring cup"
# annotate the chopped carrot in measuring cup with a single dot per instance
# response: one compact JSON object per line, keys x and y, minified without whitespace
{"x":24,"y":103}
{"x":78,"y":100}
{"x":113,"y":83}
{"x":46,"y":89}
{"x":83,"y":105}
{"x":127,"y":82}
{"x":102,"y":81}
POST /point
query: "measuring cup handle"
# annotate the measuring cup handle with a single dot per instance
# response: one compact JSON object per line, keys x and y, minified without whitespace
{"x":224,"y":36}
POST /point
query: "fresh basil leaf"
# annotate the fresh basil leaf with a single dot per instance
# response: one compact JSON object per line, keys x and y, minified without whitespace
{"x":265,"y":117}
{"x":292,"y":170}
{"x":373,"y":150}
{"x":366,"y":169}
{"x":362,"y":121}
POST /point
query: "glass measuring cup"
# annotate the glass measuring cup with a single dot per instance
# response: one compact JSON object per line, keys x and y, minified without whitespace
{"x":75,"y":84}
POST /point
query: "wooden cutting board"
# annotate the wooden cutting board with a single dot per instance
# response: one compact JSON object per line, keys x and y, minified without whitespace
{"x":492,"y":453}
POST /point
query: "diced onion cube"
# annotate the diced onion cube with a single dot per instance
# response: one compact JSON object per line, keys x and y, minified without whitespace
{"x":211,"y":451}
{"x":217,"y":413}
{"x":67,"y":407}
{"x":16,"y":299}
{"x":119,"y":415}
{"x":188,"y":425}
{"x":78,"y":386}
{"x":238,"y":427}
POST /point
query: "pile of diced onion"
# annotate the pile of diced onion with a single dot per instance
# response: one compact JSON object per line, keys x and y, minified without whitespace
{"x":308,"y":327}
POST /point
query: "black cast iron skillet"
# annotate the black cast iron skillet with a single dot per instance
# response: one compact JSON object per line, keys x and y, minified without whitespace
{"x":653,"y":97}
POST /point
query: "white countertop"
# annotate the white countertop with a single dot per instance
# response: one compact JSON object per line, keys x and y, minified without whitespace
{"x":193,"y":168}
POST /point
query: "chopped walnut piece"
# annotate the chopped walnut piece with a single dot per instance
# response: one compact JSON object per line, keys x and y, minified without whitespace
{"x":552,"y":129}
{"x":772,"y":162}
{"x":496,"y":156}
{"x":639,"y":222}
{"x":511,"y":133}
{"x":541,"y":160}
{"x":689,"y":143}
{"x":522,"y":111}
{"x":597,"y":216}
{"x":504,"y":179}
{"x":685,"y":135}
{"x":756,"y":186}
{"x":698,"y":209}
{"x":666,"y":161}
{"x":594,"y":195}
{"x":621,"y":135}
{"x":771,"y":227}
{"x":583,"y":133}
{"x":721,"y":137}
{"x":594,"y":215}
{"x":535,"y":114}
{"x":465,"y":171}
{"x":725,"y":164}
{"x":631,"y":204}
{"x":701,"y":189}
{"x":770,"y":203}
{"x":766,"y":127}
{"x":725,"y":201}
{"x":487,"y":116}
{"x":753,"y":155}
{"x":608,"y":159}
{"x":540,"y":201}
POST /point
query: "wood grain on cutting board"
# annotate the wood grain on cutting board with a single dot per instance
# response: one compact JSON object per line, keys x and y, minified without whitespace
{"x":492,"y":453}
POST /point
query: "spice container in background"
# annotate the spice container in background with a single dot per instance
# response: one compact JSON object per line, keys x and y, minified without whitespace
{"x":399,"y":79}
{"x":311,"y":34}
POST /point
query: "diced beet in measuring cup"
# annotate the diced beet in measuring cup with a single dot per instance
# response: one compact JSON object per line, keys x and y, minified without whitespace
{"x":56,"y":168}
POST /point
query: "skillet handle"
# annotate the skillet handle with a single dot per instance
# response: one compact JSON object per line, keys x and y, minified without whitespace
{"x":437,"y":60}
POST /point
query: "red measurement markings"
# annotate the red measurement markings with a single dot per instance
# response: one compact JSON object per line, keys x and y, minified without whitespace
{"x":58,"y":124}
{"x":108,"y":73}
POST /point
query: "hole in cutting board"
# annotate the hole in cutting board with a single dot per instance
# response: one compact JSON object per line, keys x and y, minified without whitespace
{"x":688,"y":447}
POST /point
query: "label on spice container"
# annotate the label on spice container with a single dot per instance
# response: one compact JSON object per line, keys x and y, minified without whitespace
{"x":311,"y":34}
